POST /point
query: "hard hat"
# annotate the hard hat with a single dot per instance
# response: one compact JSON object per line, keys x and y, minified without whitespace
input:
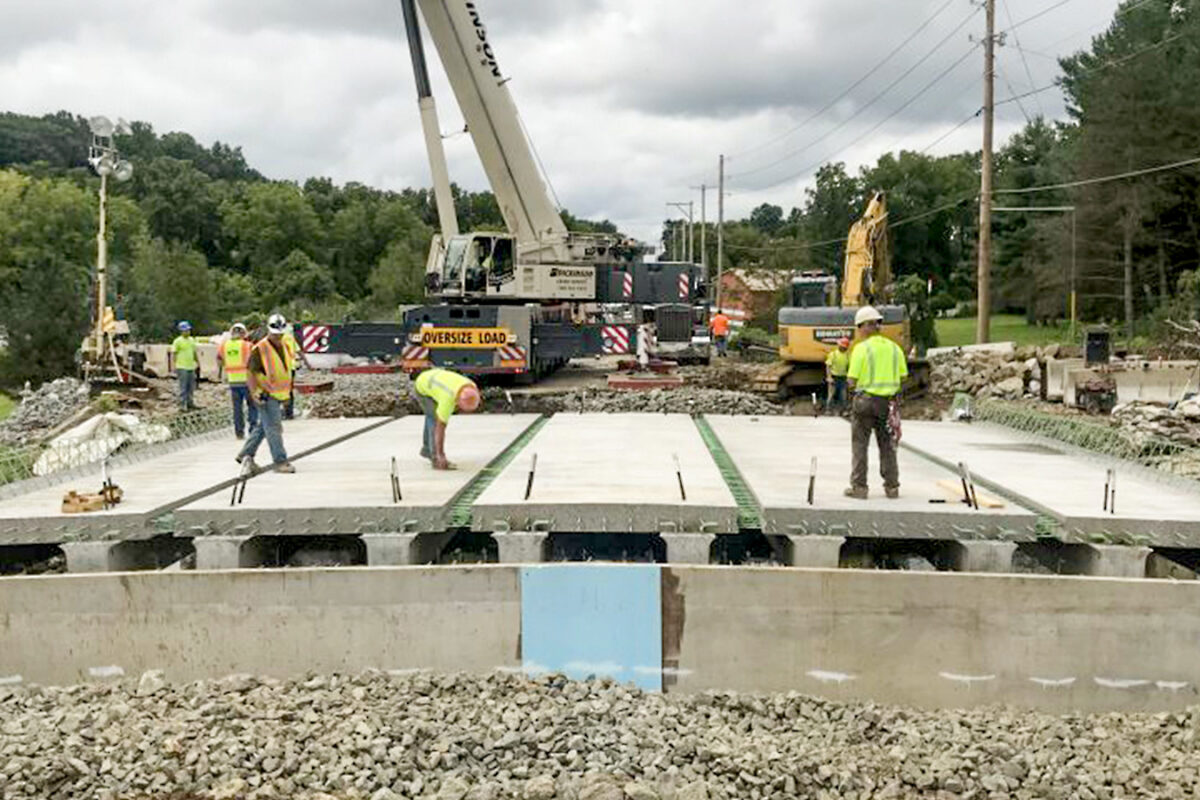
{"x":844,"y":342}
{"x":237,"y":326}
{"x":469,"y":398}
{"x":867,"y":314}
{"x":185,"y":325}
{"x":276,"y":324}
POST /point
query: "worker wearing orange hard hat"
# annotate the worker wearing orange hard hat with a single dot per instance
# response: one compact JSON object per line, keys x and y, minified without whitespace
{"x":441,"y":393}
{"x":837,"y":364}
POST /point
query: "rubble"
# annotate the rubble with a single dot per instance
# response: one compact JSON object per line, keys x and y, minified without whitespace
{"x":362,"y":396}
{"x":507,"y":737}
{"x":684,"y":400}
{"x":1003,"y":373}
{"x":39,"y":411}
{"x":1179,"y":425}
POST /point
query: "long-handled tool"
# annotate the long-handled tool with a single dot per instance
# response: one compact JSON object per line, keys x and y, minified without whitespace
{"x":1110,"y":490}
{"x":245,"y":473}
{"x":529,"y":482}
{"x":968,"y":485}
{"x":396,"y":495}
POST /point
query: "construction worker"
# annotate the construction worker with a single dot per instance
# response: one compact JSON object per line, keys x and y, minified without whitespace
{"x":234,"y":355}
{"x":441,"y":392}
{"x":184,"y":349}
{"x":876,"y":375}
{"x":269,"y":381}
{"x":837,"y":364}
{"x":720,"y":331}
{"x":298,"y":357}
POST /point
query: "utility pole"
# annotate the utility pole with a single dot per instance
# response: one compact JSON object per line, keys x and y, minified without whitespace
{"x":703,"y":227}
{"x":720,"y":226}
{"x":685,"y":252}
{"x":983,"y":321}
{"x":691,"y":232}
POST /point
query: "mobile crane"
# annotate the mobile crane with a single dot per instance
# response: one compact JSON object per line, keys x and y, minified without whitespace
{"x":525,"y":300}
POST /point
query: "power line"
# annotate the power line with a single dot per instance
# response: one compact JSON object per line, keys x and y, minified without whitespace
{"x":1013,"y":91}
{"x":862,"y":108}
{"x":1025,"y":61}
{"x":948,"y":133}
{"x":1105,"y":179}
{"x":1038,"y":15}
{"x":877,"y":125}
{"x":852,"y":86}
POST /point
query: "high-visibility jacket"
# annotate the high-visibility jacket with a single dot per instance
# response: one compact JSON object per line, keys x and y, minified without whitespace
{"x":292,"y":346}
{"x":235,"y":354}
{"x":878,"y":366}
{"x":442,"y":386}
{"x":276,"y":379}
{"x":184,"y":348}
{"x":720,"y":325}
{"x":838,"y":362}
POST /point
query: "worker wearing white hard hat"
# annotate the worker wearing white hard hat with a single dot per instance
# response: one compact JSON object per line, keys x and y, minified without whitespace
{"x":876,"y":376}
{"x":269,"y":379}
{"x":234,"y":355}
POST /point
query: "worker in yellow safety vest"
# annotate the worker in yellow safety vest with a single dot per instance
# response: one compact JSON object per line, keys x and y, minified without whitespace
{"x":186,"y":364}
{"x":269,"y":381}
{"x":837,"y":364}
{"x":234,"y":355}
{"x":876,"y":376}
{"x":440,"y":393}
{"x":296,"y":352}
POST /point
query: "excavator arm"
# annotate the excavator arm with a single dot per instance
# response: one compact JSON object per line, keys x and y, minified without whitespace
{"x":867,"y":274}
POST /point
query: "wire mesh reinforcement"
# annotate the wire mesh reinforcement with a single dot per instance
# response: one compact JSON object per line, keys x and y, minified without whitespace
{"x":460,"y":506}
{"x":1147,"y":450}
{"x":749,"y":513}
{"x":42,"y":460}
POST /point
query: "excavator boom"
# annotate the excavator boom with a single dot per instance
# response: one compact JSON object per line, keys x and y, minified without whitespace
{"x":868,"y":268}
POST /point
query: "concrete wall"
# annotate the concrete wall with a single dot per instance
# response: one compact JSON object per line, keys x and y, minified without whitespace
{"x":941,"y":639}
{"x":922,"y":639}
{"x":280,"y":622}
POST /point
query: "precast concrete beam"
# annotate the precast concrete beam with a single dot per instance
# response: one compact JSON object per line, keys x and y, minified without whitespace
{"x":93,"y":557}
{"x":520,"y":547}
{"x":688,"y":548}
{"x":983,"y":556}
{"x":403,"y":549}
{"x":124,"y":556}
{"x":1116,"y":561}
{"x":228,"y":552}
{"x":821,"y":552}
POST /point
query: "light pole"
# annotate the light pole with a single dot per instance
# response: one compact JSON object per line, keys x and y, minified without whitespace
{"x":1074,"y":308}
{"x":105,"y":159}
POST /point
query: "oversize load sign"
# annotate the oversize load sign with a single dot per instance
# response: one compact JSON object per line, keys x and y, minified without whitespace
{"x":475,"y":338}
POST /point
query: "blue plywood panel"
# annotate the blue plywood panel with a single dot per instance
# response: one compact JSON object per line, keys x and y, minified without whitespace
{"x":593,"y":619}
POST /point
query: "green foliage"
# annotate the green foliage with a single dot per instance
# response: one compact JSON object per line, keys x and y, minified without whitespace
{"x":398,"y":278}
{"x":911,"y":292}
{"x":7,"y":406}
{"x":268,"y":221}
{"x":298,"y":278}
{"x":168,"y":282}
{"x":941,"y":302}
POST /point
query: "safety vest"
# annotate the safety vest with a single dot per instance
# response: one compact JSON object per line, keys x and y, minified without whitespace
{"x":878,"y":367}
{"x":236,"y":354}
{"x":442,"y":386}
{"x":276,"y":379}
{"x":292,"y":346}
{"x":838,"y":362}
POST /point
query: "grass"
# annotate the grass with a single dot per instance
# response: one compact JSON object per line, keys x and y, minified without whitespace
{"x":7,"y":404}
{"x":1005,"y":328}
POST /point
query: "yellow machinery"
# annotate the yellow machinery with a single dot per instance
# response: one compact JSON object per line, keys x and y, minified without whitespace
{"x":812,"y":323}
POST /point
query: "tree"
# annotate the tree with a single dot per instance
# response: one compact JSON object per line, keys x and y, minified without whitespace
{"x":268,"y":221}
{"x":399,"y":276}
{"x":767,"y":218}
{"x":299,"y":280}
{"x":168,"y":282}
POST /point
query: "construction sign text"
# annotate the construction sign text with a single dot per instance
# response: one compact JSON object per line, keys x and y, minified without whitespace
{"x":478,"y":338}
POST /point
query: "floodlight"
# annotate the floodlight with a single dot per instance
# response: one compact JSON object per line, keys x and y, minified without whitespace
{"x":101,"y":126}
{"x":123,"y":127}
{"x":103,"y":165}
{"x":123,"y":170}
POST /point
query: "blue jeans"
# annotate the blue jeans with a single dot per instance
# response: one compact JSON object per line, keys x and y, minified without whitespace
{"x":722,"y":343}
{"x":270,"y":427}
{"x":239,"y":394}
{"x":187,"y":388}
{"x":428,"y":406}
{"x":837,"y":398}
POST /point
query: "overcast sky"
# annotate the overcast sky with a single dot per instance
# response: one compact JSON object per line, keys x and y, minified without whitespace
{"x":628,"y":102}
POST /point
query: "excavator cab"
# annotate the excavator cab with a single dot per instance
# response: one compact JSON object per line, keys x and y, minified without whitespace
{"x":469,"y":264}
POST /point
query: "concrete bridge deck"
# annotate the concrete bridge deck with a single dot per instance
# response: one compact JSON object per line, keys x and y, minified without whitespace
{"x":674,"y":479}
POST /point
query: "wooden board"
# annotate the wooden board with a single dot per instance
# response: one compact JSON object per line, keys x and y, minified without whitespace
{"x":954,"y":489}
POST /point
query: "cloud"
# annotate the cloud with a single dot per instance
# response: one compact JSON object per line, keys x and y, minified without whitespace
{"x":628,"y":102}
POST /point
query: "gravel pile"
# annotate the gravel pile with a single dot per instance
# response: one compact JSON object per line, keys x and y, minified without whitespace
{"x":503,"y":736}
{"x":363,"y":396}
{"x":41,"y":410}
{"x":685,"y":400}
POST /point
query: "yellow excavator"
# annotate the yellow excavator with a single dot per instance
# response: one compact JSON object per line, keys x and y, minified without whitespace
{"x":813,"y":321}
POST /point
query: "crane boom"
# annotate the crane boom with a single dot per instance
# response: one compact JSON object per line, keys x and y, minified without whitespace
{"x":482,"y":92}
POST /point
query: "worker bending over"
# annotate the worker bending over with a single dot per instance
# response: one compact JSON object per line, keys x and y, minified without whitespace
{"x":269,"y":376}
{"x":877,"y":373}
{"x":234,"y":355}
{"x":837,"y":364}
{"x":441,"y":392}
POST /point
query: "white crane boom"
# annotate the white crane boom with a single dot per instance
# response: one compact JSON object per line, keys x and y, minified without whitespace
{"x":491,"y":116}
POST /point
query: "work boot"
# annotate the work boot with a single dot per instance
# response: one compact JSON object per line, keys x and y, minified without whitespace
{"x":285,"y":467}
{"x":892,"y":493}
{"x":856,"y":492}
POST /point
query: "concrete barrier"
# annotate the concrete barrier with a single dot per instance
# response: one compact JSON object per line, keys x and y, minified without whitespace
{"x":923,"y":639}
